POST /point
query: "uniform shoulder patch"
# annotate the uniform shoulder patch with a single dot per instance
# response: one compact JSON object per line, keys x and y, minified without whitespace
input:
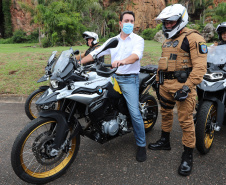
{"x":202,"y":48}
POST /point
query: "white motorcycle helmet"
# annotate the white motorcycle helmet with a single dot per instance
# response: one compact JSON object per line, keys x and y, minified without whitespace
{"x":175,"y":12}
{"x":87,"y":34}
{"x":220,"y":29}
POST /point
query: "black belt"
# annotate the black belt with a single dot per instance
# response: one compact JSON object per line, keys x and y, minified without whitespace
{"x":169,"y":75}
{"x":126,"y":74}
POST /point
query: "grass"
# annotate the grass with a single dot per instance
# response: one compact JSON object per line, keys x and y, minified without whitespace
{"x":21,"y":65}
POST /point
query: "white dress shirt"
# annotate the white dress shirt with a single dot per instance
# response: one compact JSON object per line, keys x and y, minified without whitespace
{"x":133,"y":44}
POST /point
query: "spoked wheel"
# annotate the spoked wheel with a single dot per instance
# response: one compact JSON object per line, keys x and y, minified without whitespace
{"x":32,"y":156}
{"x":32,"y":110}
{"x":206,"y":119}
{"x":149,"y":111}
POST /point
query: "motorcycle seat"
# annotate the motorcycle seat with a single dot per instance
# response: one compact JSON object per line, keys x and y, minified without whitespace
{"x":143,"y":77}
{"x":149,"y":68}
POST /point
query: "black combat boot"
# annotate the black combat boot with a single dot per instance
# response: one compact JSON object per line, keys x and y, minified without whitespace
{"x":162,"y":144}
{"x":186,"y":162}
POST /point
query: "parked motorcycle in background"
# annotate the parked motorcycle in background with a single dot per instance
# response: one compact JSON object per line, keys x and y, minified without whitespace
{"x":31,"y":109}
{"x":211,"y":99}
{"x":48,"y":145}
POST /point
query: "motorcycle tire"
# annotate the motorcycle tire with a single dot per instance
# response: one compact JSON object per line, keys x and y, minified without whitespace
{"x":152,"y":111}
{"x":206,"y":117}
{"x":30,"y":157}
{"x":31,"y":109}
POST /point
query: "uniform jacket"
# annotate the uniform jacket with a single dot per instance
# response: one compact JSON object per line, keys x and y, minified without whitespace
{"x":193,"y":55}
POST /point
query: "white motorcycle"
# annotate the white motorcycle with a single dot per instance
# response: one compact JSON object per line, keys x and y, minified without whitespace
{"x":48,"y":145}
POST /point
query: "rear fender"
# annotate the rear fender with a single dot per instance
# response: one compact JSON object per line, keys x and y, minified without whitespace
{"x":63,"y":126}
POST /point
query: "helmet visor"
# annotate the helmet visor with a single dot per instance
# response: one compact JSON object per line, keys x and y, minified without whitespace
{"x":172,"y":18}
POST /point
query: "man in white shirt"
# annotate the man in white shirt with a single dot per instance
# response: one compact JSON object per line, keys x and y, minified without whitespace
{"x":127,"y":56}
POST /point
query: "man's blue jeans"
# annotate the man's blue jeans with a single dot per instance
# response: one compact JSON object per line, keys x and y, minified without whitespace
{"x":129,"y":86}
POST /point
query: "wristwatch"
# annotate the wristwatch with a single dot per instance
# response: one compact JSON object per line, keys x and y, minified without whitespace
{"x":186,"y":88}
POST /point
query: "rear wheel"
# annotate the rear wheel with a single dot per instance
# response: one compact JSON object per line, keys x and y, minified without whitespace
{"x":32,"y":110}
{"x":206,"y":120}
{"x":31,"y":156}
{"x":149,"y":111}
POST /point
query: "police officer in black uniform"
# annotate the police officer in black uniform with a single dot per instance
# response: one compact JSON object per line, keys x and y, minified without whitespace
{"x":92,"y":41}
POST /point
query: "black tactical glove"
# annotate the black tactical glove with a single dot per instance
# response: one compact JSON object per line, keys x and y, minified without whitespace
{"x":182,"y":94}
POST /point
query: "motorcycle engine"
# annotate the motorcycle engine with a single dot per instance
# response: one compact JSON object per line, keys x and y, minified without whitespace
{"x":110,"y":127}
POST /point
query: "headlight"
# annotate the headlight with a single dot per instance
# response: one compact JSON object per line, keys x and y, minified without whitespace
{"x":54,"y":83}
{"x":213,"y":76}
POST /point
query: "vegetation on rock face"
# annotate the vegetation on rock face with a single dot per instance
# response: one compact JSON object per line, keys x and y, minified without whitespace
{"x":6,"y":4}
{"x":219,"y":13}
{"x":62,"y":22}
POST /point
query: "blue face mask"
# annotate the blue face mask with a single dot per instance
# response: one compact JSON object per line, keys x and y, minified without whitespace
{"x":127,"y":28}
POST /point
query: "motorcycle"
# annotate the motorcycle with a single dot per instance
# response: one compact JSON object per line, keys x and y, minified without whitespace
{"x":31,"y":109}
{"x":48,"y":145}
{"x":211,"y":99}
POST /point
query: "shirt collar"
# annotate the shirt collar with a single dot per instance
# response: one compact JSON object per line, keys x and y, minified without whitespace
{"x":131,"y":35}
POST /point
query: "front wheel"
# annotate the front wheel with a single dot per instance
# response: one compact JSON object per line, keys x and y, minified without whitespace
{"x":149,"y":111}
{"x":31,"y":157}
{"x":206,"y":119}
{"x":32,"y":110}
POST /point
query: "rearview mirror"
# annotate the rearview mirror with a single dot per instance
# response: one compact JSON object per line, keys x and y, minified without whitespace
{"x":113,"y":43}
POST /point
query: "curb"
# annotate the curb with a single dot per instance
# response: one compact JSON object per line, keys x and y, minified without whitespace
{"x":5,"y":98}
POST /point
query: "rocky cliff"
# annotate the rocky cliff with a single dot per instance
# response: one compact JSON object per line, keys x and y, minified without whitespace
{"x":20,"y":18}
{"x":145,"y":11}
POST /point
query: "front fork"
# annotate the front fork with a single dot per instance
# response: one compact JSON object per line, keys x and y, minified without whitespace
{"x":65,"y":122}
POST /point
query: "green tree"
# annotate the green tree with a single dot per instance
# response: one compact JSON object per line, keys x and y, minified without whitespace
{"x":201,"y":6}
{"x":219,"y":13}
{"x":52,"y":17}
{"x":7,"y":18}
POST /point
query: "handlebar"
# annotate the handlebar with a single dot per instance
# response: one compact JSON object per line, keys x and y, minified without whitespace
{"x":106,"y":65}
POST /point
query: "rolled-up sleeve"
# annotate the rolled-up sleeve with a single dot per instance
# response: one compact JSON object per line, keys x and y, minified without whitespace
{"x":139,"y":47}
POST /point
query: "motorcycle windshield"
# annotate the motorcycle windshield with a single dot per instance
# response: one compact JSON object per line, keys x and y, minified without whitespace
{"x":62,"y":62}
{"x":51,"y":57}
{"x":217,"y":55}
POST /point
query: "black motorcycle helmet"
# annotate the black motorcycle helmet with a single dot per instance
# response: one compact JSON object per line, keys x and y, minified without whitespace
{"x":220,"y":29}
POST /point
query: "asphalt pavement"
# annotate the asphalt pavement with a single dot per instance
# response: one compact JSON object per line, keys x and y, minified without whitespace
{"x":114,"y":163}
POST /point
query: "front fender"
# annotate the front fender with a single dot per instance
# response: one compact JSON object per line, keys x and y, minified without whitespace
{"x":211,"y":86}
{"x":63,"y":126}
{"x":220,"y":108}
{"x":47,"y":97}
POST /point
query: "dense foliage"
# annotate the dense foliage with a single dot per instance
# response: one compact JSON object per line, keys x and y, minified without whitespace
{"x":7,"y":18}
{"x":62,"y":22}
{"x":149,"y":33}
{"x":219,"y":12}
